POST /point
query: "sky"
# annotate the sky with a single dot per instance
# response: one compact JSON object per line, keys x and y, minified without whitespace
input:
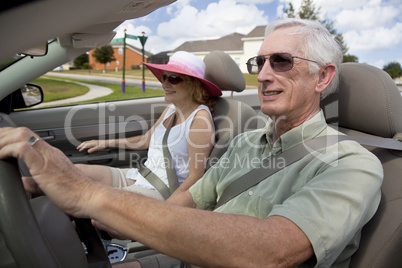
{"x":372,"y":29}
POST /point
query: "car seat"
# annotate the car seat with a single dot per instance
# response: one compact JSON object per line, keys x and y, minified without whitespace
{"x":231,"y":117}
{"x":369,"y":104}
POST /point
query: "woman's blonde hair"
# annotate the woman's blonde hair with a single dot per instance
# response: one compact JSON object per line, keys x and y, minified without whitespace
{"x":199,"y":94}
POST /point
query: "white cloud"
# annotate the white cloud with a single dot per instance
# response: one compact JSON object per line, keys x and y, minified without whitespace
{"x":379,"y":63}
{"x":177,"y":6}
{"x":366,"y":17}
{"x":254,"y":1}
{"x":217,"y":20}
{"x":354,"y":13}
{"x":374,"y":39}
{"x":329,"y":8}
{"x":372,"y":29}
{"x":279,"y":11}
{"x":132,"y":29}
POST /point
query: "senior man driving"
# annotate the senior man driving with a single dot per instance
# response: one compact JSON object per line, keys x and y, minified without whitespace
{"x":310,"y":213}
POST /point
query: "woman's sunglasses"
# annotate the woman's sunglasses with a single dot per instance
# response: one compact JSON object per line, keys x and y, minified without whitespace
{"x":172,"y":79}
{"x":280,"y":62}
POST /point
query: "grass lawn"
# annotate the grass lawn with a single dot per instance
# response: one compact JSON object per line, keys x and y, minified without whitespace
{"x":56,"y":89}
{"x":130,"y":92}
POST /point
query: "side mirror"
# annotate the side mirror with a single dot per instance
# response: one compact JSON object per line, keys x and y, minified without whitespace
{"x":27,"y":96}
{"x":31,"y":95}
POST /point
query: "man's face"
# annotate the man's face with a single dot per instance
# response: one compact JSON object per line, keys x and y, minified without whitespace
{"x":292,"y":94}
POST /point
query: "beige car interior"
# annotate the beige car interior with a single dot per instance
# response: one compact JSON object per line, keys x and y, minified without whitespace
{"x":369,"y":105}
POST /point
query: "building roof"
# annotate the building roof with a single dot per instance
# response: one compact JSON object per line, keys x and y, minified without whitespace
{"x":258,"y":31}
{"x":231,"y":42}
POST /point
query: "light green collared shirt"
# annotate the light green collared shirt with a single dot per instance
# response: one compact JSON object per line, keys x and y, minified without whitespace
{"x":329,"y":194}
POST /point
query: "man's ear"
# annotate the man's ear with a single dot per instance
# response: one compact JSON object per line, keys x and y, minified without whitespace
{"x":325,"y":76}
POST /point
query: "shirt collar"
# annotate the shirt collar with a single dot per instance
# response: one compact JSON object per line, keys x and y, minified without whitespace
{"x":306,"y":131}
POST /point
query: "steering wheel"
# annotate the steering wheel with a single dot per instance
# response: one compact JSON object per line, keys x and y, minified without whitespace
{"x":38,"y":234}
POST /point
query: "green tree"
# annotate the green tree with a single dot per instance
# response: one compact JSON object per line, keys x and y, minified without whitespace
{"x":393,"y":69}
{"x":104,"y":55}
{"x":81,"y":60}
{"x":350,"y":58}
{"x":309,"y":11}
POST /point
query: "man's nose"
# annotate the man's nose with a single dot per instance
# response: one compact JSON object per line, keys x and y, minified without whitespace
{"x":265,"y":73}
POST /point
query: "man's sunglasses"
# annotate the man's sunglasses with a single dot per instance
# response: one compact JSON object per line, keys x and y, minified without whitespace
{"x":280,"y":62}
{"x":172,"y":79}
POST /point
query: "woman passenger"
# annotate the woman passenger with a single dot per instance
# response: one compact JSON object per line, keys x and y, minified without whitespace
{"x":191,"y":137}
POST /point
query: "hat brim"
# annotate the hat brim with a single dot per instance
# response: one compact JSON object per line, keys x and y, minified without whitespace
{"x":158,"y":69}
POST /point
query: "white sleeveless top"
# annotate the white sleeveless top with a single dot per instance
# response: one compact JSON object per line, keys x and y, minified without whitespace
{"x":177,"y":144}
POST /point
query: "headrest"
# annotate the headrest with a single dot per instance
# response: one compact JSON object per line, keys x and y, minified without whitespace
{"x":223,"y":71}
{"x":369,"y":100}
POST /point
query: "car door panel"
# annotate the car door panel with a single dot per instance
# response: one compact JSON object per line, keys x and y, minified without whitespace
{"x":66,"y":127}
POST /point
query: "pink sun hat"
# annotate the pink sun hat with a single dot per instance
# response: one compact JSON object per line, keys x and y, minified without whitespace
{"x":183,"y":62}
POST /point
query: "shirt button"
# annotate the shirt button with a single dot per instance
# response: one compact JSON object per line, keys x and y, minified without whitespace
{"x":250,"y":193}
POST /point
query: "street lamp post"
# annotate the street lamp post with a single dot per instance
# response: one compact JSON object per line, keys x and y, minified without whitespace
{"x":143,"y":40}
{"x":123,"y":81}
{"x":89,"y":61}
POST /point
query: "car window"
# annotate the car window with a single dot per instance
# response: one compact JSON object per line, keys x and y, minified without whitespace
{"x":69,"y":87}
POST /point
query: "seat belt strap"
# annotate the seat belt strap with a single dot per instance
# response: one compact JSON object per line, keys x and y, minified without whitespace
{"x":384,"y":143}
{"x":255,"y":176}
{"x":153,"y":179}
{"x":170,"y":169}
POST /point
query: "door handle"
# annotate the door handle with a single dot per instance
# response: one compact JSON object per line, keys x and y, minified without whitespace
{"x":47,"y":138}
{"x":46,"y":135}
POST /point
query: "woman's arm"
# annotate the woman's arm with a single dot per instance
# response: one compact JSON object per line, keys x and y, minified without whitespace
{"x":140,"y":142}
{"x":199,"y":145}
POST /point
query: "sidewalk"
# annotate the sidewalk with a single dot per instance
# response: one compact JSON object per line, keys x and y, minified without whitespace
{"x":94,"y":92}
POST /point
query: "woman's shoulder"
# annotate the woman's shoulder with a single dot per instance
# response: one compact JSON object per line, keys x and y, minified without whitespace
{"x":202,"y":110}
{"x":169,"y":110}
{"x":201,"y":117}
